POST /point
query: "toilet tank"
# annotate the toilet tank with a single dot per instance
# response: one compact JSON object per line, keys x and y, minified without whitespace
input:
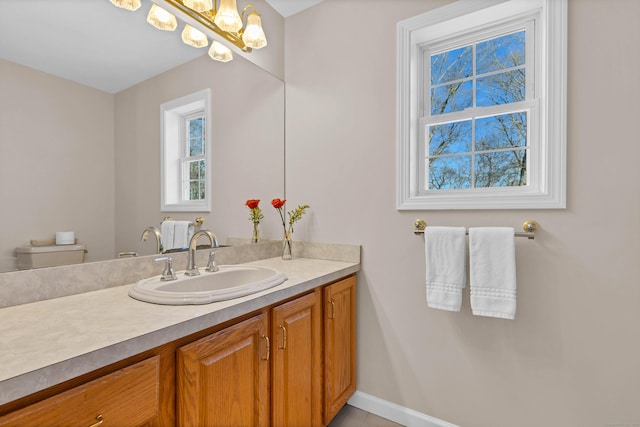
{"x":49,"y":256}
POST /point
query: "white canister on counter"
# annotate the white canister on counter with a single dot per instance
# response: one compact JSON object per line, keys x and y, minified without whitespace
{"x":65,"y":238}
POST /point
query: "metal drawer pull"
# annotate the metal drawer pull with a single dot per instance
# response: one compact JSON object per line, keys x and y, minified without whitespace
{"x":284,"y":337}
{"x":266,"y":338}
{"x":99,"y":420}
{"x":333,"y":309}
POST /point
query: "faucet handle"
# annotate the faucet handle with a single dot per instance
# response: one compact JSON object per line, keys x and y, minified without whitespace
{"x":211,"y":265}
{"x":168,"y":273}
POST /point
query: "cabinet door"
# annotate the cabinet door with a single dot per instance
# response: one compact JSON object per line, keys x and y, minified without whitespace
{"x":223,"y":379}
{"x":339,"y":345}
{"x":297,"y":368}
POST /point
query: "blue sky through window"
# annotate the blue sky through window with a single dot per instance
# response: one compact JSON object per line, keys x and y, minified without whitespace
{"x":481,"y":151}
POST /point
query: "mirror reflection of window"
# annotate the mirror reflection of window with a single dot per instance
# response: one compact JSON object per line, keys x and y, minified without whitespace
{"x":186,"y":153}
{"x":193,"y":163}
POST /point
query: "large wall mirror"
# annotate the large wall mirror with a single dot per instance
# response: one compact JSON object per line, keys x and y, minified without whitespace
{"x":78,"y":155}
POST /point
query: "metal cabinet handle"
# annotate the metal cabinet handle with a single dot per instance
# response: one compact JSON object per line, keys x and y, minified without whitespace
{"x":284,"y":337}
{"x":268,"y":347}
{"x":99,"y":421}
{"x":332,"y":315}
{"x":127,"y":254}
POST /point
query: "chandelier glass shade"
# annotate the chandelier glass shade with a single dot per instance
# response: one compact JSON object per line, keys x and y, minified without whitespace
{"x":253,"y":35}
{"x":220,"y":52}
{"x":227,"y":17}
{"x":161,"y":19}
{"x":199,"y":5}
{"x":194,"y":37}
{"x":131,"y":5}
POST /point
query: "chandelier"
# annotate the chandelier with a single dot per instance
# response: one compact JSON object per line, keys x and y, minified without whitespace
{"x":243,"y":30}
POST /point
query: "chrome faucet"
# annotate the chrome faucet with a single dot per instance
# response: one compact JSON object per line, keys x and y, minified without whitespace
{"x":192,"y":270}
{"x":156,"y":232}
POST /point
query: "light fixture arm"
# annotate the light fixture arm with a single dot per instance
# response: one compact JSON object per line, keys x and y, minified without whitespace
{"x":242,"y":15}
{"x":206,"y":20}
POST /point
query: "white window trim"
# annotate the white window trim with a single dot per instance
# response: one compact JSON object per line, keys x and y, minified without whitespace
{"x":550,"y":192}
{"x":172,"y":115}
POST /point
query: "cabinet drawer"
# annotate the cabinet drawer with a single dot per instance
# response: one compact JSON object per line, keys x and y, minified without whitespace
{"x":126,"y":397}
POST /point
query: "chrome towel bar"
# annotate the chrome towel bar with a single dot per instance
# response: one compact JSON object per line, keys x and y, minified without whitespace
{"x":529,"y":226}
{"x":198,"y":222}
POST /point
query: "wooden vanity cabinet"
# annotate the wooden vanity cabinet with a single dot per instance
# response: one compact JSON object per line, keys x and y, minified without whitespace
{"x":129,"y":396}
{"x":339,"y":345}
{"x":223,"y":379}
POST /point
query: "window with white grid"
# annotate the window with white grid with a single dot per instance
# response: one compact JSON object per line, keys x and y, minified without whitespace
{"x":481,"y":106}
{"x":193,"y":137}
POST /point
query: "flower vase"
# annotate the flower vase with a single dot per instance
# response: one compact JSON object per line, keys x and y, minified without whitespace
{"x":286,"y":246}
{"x":256,"y":234}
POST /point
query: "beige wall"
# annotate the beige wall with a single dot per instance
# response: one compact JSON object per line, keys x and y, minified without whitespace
{"x":570,"y":358}
{"x":56,"y":162}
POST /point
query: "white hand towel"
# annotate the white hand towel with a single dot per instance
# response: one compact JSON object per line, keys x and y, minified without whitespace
{"x":167,"y":231}
{"x":492,"y":272}
{"x":445,"y":256}
{"x":182,"y":234}
{"x":191,"y":232}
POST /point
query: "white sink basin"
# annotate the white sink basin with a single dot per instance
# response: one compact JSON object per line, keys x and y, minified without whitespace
{"x":231,"y":281}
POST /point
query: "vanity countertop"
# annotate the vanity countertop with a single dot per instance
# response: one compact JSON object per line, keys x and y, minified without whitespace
{"x":48,"y":342}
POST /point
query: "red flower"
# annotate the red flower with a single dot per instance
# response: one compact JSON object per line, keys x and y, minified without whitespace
{"x":277,"y":203}
{"x":255,"y":213}
{"x":252,"y":203}
{"x":294,"y":215}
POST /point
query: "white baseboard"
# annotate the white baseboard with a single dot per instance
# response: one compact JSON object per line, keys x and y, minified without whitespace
{"x":396,"y":413}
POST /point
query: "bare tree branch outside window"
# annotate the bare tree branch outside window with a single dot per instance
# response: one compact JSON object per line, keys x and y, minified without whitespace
{"x":479,"y":150}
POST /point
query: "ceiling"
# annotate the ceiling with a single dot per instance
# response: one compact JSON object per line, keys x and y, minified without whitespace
{"x":291,"y":7}
{"x":78,"y":40}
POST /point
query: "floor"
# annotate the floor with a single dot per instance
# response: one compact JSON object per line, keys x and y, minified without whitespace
{"x":350,"y":416}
